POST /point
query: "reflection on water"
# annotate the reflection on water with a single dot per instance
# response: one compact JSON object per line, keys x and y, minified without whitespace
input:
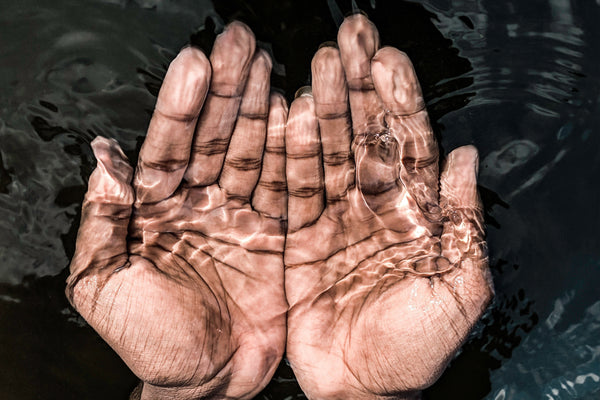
{"x":520,"y":80}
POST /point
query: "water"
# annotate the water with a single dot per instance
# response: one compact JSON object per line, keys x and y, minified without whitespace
{"x":520,"y":80}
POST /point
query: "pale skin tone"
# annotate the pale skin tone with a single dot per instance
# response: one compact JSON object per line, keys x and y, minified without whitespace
{"x":184,"y":265}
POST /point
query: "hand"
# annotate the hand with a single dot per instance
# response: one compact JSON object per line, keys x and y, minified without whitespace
{"x":385,"y":275}
{"x":192,"y":296}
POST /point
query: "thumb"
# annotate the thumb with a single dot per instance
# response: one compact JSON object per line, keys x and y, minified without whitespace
{"x":463,"y":234}
{"x":463,"y":237}
{"x":101,"y":246}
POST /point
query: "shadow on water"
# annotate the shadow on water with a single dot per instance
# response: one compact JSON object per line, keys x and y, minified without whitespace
{"x":520,"y":81}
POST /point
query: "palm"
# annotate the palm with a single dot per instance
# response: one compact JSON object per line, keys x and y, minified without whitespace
{"x":384,"y":280}
{"x":368,"y":295}
{"x":198,"y":255}
{"x":187,"y":285}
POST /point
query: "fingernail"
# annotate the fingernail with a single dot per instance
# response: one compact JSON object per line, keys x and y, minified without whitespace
{"x":329,"y":43}
{"x":304,"y":91}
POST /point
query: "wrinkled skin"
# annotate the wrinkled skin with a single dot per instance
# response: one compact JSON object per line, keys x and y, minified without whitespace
{"x":181,"y":270}
{"x":180,"y":265}
{"x":386,"y":268}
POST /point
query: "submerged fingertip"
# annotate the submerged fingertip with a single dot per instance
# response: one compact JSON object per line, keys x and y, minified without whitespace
{"x":107,"y":147}
{"x":304,"y":91}
{"x":277,"y":100}
{"x":396,"y":82}
{"x":464,"y":156}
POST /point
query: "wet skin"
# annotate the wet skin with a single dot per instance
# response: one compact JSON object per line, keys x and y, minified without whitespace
{"x":179,"y":265}
{"x":386,"y":272}
{"x":182,"y":272}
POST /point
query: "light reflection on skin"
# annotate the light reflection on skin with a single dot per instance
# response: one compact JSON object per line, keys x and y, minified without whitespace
{"x":385,"y":264}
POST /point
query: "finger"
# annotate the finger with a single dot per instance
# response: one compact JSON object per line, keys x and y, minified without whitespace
{"x":359,"y":40}
{"x":270,"y":197}
{"x":244,"y":155}
{"x":396,"y":83}
{"x":331,"y":106}
{"x":166,"y":149}
{"x":463,"y":230}
{"x":101,"y":242}
{"x":231,"y":58}
{"x":303,"y":164}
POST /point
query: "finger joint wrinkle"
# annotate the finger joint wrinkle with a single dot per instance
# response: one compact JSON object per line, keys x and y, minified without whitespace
{"x":116,"y":218}
{"x":304,"y":155}
{"x":273,"y":186}
{"x":275,"y":149}
{"x":305,"y":192}
{"x":336,"y":158}
{"x":212,"y":147}
{"x":254,"y":116}
{"x":398,"y":115}
{"x":244,"y":164}
{"x":224,"y":95}
{"x":185,"y":118}
{"x":413,"y":164}
{"x":164,"y":165}
{"x":333,"y":116}
{"x":361,"y":84}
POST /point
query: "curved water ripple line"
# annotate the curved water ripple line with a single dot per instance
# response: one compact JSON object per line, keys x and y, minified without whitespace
{"x":71,"y":80}
{"x":526,"y":381}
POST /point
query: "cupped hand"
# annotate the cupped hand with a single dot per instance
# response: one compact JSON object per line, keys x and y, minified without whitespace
{"x":181,"y":271}
{"x":386,"y":273}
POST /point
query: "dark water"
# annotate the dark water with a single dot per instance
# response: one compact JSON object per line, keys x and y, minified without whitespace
{"x":519,"y":79}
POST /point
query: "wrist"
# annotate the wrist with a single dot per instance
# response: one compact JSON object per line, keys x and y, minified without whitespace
{"x":152,"y":392}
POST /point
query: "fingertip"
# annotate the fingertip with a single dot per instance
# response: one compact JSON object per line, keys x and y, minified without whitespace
{"x":459,"y":178}
{"x":328,"y":79}
{"x":304,"y":102}
{"x":465,"y":158}
{"x":323,"y":58}
{"x":238,"y":36}
{"x":303,"y":91}
{"x":358,"y":40}
{"x":278,"y":112}
{"x":192,"y":57}
{"x":255,"y":101}
{"x":263,"y":58}
{"x":396,"y":81}
{"x":240,"y":29}
{"x":391,"y":52}
{"x":110,"y":181}
{"x":109,"y":153}
{"x":302,"y":120}
{"x":278,"y":100}
{"x":231,"y":58}
{"x":185,"y":85}
{"x":355,"y":24}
